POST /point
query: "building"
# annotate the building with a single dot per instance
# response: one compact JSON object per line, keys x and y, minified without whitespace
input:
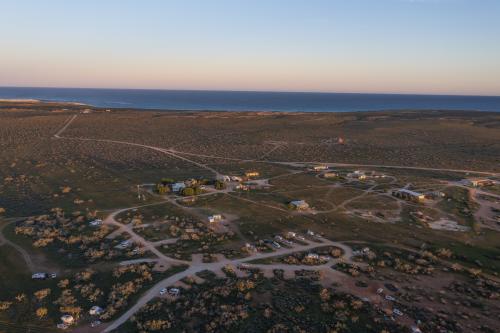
{"x":408,"y":195}
{"x":177,"y":187}
{"x":360,"y":175}
{"x":477,"y":182}
{"x":330,"y":174}
{"x":214,"y":218}
{"x":312,"y":256}
{"x":242,"y":187}
{"x":320,"y":167}
{"x":299,"y":204}
{"x":249,"y":174}
{"x":223,"y":178}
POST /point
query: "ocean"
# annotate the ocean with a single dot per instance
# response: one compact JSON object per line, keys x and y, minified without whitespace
{"x":252,"y":101}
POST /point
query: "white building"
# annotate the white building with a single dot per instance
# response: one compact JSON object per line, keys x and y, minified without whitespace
{"x":177,"y":187}
{"x":313,"y":256}
{"x":214,"y":218}
{"x":320,"y":167}
{"x":477,"y":182}
{"x":299,"y":204}
{"x":408,"y":195}
{"x":224,"y":178}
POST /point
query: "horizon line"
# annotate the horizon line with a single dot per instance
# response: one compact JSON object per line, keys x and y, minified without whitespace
{"x":255,"y":91}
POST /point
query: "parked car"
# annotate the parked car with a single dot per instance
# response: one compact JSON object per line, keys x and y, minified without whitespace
{"x":397,"y":312}
{"x":163,"y":291}
{"x":391,"y":287}
{"x":39,"y":276}
{"x":174,"y":291}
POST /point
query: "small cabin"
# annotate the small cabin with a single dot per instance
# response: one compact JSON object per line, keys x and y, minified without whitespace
{"x":299,"y":204}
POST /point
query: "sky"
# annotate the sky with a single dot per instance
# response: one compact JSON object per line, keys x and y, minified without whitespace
{"x":381,"y":46}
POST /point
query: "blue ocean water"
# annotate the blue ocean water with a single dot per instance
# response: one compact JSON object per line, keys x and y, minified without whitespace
{"x":252,"y":101}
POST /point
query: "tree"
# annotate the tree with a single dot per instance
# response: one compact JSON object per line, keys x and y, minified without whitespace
{"x":41,"y":294}
{"x":219,"y":185}
{"x":187,"y":192}
{"x":162,"y":188}
{"x":324,"y":295}
{"x":41,"y":312}
{"x":5,"y":305}
{"x":63,"y":283}
{"x":166,"y":181}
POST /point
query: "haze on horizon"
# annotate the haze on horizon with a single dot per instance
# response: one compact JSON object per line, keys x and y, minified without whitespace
{"x":382,"y":46}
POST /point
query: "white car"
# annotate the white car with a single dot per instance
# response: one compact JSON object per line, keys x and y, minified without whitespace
{"x":397,"y":312}
{"x":163,"y":291}
{"x":390,"y":298}
{"x":62,"y":326}
{"x":174,"y":291}
{"x":380,"y":291}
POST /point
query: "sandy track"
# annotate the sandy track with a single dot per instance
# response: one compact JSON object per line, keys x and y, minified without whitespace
{"x":22,"y":252}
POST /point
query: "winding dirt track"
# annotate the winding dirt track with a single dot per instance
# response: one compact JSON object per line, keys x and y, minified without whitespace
{"x":177,"y":154}
{"x":196,"y":266}
{"x":22,"y":252}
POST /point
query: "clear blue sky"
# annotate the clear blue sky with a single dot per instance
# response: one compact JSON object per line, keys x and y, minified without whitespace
{"x":415,"y":46}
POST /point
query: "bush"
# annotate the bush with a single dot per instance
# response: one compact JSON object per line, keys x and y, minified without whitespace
{"x":219,"y":185}
{"x":188,"y":191}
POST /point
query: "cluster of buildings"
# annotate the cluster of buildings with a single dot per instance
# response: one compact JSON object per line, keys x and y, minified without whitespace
{"x":359,"y":175}
{"x":215,"y":218}
{"x":478,"y":182}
